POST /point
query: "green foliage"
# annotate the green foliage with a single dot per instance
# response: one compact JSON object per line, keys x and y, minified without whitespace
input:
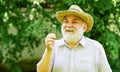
{"x":25,"y":23}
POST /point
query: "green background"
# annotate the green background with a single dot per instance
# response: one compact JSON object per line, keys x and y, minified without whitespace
{"x":24,"y":25}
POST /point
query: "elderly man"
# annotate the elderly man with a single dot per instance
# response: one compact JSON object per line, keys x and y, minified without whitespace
{"x":74,"y":52}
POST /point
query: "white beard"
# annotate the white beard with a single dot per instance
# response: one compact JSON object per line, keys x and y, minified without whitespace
{"x":75,"y":37}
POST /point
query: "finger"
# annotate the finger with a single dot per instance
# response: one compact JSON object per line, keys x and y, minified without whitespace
{"x":50,"y":43}
{"x":49,"y":39}
{"x":51,"y":35}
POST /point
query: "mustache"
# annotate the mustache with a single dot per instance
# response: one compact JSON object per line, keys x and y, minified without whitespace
{"x":69,"y":29}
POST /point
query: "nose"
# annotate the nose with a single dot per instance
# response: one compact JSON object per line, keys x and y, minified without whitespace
{"x":69,"y":24}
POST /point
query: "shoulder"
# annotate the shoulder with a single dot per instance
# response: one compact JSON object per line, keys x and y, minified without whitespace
{"x":93,"y":42}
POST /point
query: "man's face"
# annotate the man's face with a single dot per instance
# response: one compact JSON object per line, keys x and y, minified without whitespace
{"x":73,"y":28}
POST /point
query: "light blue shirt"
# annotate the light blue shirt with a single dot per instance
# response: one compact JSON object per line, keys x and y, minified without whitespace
{"x":87,"y":56}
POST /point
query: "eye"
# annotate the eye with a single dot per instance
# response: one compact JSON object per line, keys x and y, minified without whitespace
{"x":65,"y":21}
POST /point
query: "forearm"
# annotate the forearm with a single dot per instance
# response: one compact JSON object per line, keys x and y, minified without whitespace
{"x":45,"y":63}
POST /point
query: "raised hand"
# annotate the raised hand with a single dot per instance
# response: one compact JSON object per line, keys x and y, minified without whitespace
{"x":50,"y":40}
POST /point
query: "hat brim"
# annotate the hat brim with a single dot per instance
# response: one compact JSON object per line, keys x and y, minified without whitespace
{"x":84,"y":16}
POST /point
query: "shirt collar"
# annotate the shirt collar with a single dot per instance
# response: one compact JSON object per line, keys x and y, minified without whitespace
{"x":61,"y":42}
{"x":82,"y":41}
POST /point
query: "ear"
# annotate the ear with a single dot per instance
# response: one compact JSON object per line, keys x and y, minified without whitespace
{"x":85,"y":27}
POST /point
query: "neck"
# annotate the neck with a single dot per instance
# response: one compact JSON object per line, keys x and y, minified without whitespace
{"x":72,"y":44}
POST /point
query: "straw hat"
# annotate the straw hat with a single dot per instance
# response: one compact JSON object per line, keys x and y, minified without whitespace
{"x":77,"y":11}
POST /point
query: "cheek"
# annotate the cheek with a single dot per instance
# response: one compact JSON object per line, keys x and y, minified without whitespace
{"x":63,"y":27}
{"x":79,"y":29}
